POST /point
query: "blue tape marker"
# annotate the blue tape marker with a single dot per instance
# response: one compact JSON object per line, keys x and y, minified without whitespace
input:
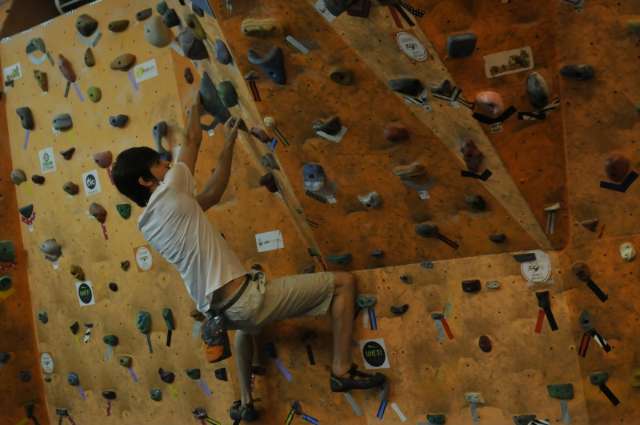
{"x":272,"y":145}
{"x":132,"y":78}
{"x":373,"y":321}
{"x":78,"y":92}
{"x":26,"y":139}
{"x":381,"y":409}
{"x":283,"y":370}
{"x":310,"y":419}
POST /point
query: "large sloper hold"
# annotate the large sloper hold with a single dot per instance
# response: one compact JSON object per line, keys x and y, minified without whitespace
{"x":191,"y":46}
{"x":211,"y":102}
{"x":156,"y":32}
{"x":160,"y":131}
{"x":86,"y":25}
{"x":123,"y":62}
{"x":26,"y":117}
{"x":42,"y":80}
{"x":272,"y":63}
{"x":62,"y":122}
{"x":537,"y":90}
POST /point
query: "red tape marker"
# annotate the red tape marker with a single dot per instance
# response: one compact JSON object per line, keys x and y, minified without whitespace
{"x":540,"y":320}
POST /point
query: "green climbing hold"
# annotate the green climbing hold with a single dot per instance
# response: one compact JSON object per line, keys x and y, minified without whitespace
{"x":162,"y":7}
{"x":110,"y":340}
{"x":155,"y":394}
{"x":7,"y":251}
{"x":436,"y":419}
{"x":366,"y":300}
{"x":167,"y":314}
{"x":193,"y":373}
{"x":95,"y":94}
{"x":124,"y":210}
{"x":143,"y":322}
{"x":5,"y":283}
{"x":228,"y":94}
{"x":560,"y":391}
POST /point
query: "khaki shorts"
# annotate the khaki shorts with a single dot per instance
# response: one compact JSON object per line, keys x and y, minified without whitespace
{"x":286,"y":297}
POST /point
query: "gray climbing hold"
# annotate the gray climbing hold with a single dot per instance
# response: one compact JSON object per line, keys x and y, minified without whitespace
{"x":162,"y":7}
{"x":314,"y":177}
{"x":26,"y":117}
{"x":371,"y":200}
{"x":118,"y":121}
{"x":7,"y":251}
{"x":86,"y":25}
{"x":461,"y":45}
{"x":159,"y":132}
{"x":223,"y":55}
{"x":211,"y":101}
{"x":73,"y":379}
{"x":62,"y":122}
{"x":156,"y":32}
{"x":407,"y":86}
{"x":51,"y":249}
{"x":18,"y":176}
{"x":498,"y":238}
{"x":144,"y":14}
{"x":537,"y":90}
{"x":340,"y":259}
{"x":155,"y":394}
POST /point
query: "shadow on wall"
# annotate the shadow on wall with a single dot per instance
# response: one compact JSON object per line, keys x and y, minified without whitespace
{"x":24,"y":14}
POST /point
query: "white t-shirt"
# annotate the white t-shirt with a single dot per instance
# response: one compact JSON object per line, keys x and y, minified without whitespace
{"x":175,"y":225}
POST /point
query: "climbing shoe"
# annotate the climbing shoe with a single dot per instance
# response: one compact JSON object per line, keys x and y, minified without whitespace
{"x":356,"y":380}
{"x":239,"y":412}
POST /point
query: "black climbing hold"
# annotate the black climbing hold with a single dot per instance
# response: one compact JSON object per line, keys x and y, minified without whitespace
{"x":119,"y":120}
{"x":73,"y":379}
{"x":75,"y":327}
{"x":24,"y":375}
{"x":399,"y":310}
{"x":407,"y":86}
{"x":113,"y":286}
{"x":68,"y":153}
{"x":471,"y":286}
{"x":526,"y":420}
{"x":119,"y":25}
{"x":192,"y":46}
{"x":341,"y":76}
{"x":7,"y":249}
{"x":26,"y":117}
{"x":461,"y":45}
{"x":405,"y":278}
{"x":437,"y":419}
{"x":167,"y":315}
{"x":124,"y":265}
{"x":144,"y":14}
{"x":62,"y":122}
{"x":228,"y":94}
{"x":485,"y":343}
{"x":38,"y":179}
{"x":223,"y":55}
{"x":43,"y":317}
{"x":272,"y":64}
{"x":171,"y":18}
{"x":110,"y":340}
{"x":498,"y":238}
{"x":537,"y":90}
{"x":197,"y":10}
{"x":155,"y":394}
{"x":270,"y":350}
{"x":211,"y":102}
{"x":580,"y":72}
{"x":162,"y":7}
{"x":188,"y":75}
{"x":4,"y":358}
{"x":377,"y":253}
{"x":159,"y":132}
{"x":86,"y":25}
{"x":340,"y":259}
{"x":221,"y":374}
{"x":166,"y":376}
{"x":26,"y":212}
{"x":476,"y":203}
{"x":269,"y":182}
{"x":109,"y":395}
{"x":5,"y":283}
{"x":269,"y":161}
{"x":125,"y":361}
{"x":124,"y":210}
{"x":331,"y":125}
{"x":193,"y":373}
{"x":337,"y":7}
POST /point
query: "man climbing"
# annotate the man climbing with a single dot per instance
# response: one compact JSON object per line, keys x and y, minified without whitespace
{"x":174,"y":223}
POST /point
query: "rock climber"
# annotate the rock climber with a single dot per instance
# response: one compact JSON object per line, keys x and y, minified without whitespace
{"x":173,"y":221}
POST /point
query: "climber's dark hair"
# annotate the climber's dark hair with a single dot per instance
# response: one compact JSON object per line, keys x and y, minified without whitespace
{"x":130,"y":165}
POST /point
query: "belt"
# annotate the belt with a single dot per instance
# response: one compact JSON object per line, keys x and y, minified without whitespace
{"x":235,"y":296}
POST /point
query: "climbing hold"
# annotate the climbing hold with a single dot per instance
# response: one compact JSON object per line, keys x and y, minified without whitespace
{"x":537,"y":90}
{"x":18,"y":176}
{"x":144,"y":14}
{"x":331,"y":125}
{"x":36,"y":45}
{"x":51,"y":249}
{"x":337,"y":7}
{"x":66,"y":69}
{"x":62,"y":122}
{"x":461,"y":45}
{"x":166,"y":376}
{"x":627,"y":251}
{"x":26,"y":118}
{"x":74,"y":328}
{"x":188,"y":75}
{"x":89,"y":59}
{"x":155,"y":394}
{"x":485,"y":343}
{"x":71,"y":188}
{"x":157,"y":33}
{"x":472,"y":156}
{"x":193,"y":373}
{"x":103,"y":159}
{"x":37,"y":179}
{"x":118,"y":121}
{"x":159,"y":131}
{"x":407,"y":86}
{"x":223,"y":55}
{"x":341,"y":76}
{"x":109,"y":395}
{"x":26,"y":211}
{"x":41,"y":78}
{"x":498,"y":237}
{"x":580,"y":72}
{"x":197,"y":10}
{"x":269,"y":181}
{"x":113,"y":286}
{"x":119,"y":25}
{"x":8,"y":250}
{"x":405,"y":278}
{"x":191,"y":46}
{"x":437,"y":419}
{"x":258,"y":27}
{"x":77,"y":272}
{"x":366,"y":300}
{"x":162,"y":7}
{"x":98,"y":212}
{"x":125,"y":361}
{"x":399,"y":310}
{"x":4,"y":358}
{"x":24,"y":376}
{"x":272,"y":64}
{"x":211,"y":101}
{"x":340,"y":259}
{"x":221,"y":374}
{"x":476,"y":203}
{"x":193,"y":22}
{"x":124,"y":265}
{"x":314,"y":177}
{"x":377,"y":253}
{"x":123,"y":62}
{"x":227,"y":94}
{"x":124,"y":210}
{"x":414,"y":169}
{"x":494,"y":284}
{"x":371,"y":200}
{"x":489,"y":103}
{"x":269,"y":161}
{"x":73,"y":379}
{"x":43,"y":317}
{"x":110,"y":340}
{"x":591,"y":224}
{"x":68,"y":153}
{"x":5,"y":283}
{"x":471,"y":286}
{"x":396,"y":133}
{"x":86,"y":25}
{"x":171,"y":18}
{"x":617,"y":167}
